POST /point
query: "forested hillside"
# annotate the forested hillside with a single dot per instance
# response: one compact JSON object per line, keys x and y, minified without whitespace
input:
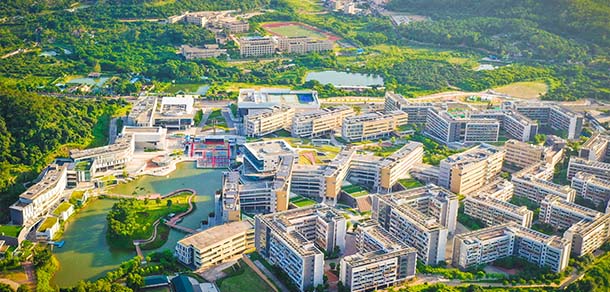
{"x":33,"y":128}
{"x":584,"y":20}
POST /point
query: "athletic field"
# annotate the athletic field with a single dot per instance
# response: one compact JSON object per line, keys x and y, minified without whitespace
{"x":297,"y":29}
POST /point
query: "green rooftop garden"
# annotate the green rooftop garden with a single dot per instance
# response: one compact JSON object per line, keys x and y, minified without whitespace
{"x":301,"y":201}
{"x":10,"y":230}
{"x":82,"y":165}
{"x":62,"y":208}
{"x":48,"y":223}
{"x":78,"y":195}
{"x":410,"y":183}
{"x":355,"y":190}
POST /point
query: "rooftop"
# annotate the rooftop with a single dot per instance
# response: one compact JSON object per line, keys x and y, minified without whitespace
{"x":476,"y":154}
{"x":269,"y":148}
{"x":50,"y":179}
{"x":216,"y":234}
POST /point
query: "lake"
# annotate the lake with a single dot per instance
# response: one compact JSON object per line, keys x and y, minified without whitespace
{"x":343,"y":79}
{"x":87,"y":256}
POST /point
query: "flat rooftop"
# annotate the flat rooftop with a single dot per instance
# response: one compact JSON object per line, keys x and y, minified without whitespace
{"x":121,"y":144}
{"x":268,"y":97}
{"x":50,"y":179}
{"x":216,"y":234}
{"x":269,"y":148}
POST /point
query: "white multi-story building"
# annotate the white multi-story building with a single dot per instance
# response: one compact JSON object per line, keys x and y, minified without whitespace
{"x":372,"y":125}
{"x":268,"y":121}
{"x":270,"y":194}
{"x":321,"y":122}
{"x":588,"y":236}
{"x":175,"y":112}
{"x":591,"y":188}
{"x":533,"y":183}
{"x":265,"y":98}
{"x":489,"y":244}
{"x":215,"y":245}
{"x":422,"y":218}
{"x":448,"y":128}
{"x":417,"y":112}
{"x":256,"y":46}
{"x":265,"y":156}
{"x":295,"y":241}
{"x":466,"y":172}
{"x":522,"y":155}
{"x":547,"y":114}
{"x":41,"y":198}
{"x":599,"y":169}
{"x":113,"y":156}
{"x":381,"y":261}
{"x":562,"y":214}
{"x":303,"y":45}
{"x":494,"y":212}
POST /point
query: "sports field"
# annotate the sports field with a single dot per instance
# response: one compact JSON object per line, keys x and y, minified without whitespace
{"x":297,"y":29}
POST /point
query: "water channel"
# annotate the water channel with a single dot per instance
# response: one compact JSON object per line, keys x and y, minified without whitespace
{"x":87,"y":256}
{"x":337,"y":78}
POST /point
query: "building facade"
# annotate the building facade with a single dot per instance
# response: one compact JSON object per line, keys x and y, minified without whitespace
{"x":322,"y":122}
{"x":372,"y":125}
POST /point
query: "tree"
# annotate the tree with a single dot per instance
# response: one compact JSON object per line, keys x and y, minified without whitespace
{"x":540,"y":138}
{"x":97,"y":67}
{"x":169,"y":203}
{"x":332,"y":266}
{"x":158,"y":201}
{"x":135,"y":281}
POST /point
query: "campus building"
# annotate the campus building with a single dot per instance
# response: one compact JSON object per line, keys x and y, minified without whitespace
{"x":450,"y":128}
{"x":599,"y":169}
{"x":520,"y":155}
{"x":147,"y":137}
{"x":591,"y":188}
{"x":555,"y":117}
{"x":486,"y":245}
{"x":269,"y":194}
{"x":534,"y":183}
{"x":295,"y":241}
{"x":141,"y":114}
{"x":421,"y":218}
{"x":267,"y":121}
{"x":113,"y":156}
{"x":256,"y":46}
{"x":466,"y":172}
{"x":499,"y":189}
{"x":213,"y":151}
{"x":382,"y":261}
{"x":588,"y":236}
{"x":372,"y":125}
{"x":562,"y":214}
{"x":175,"y":112}
{"x":41,"y":198}
{"x":320,"y":122}
{"x":215,"y":245}
{"x":265,"y":98}
{"x":303,"y":45}
{"x":229,"y":197}
{"x":596,"y":148}
{"x":265,"y":156}
{"x":208,"y":51}
{"x":417,"y":112}
{"x":495,"y":212}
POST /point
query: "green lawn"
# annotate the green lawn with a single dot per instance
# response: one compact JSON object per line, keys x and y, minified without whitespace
{"x":410,"y":183}
{"x":10,"y":230}
{"x":216,"y":115}
{"x":148,"y":213}
{"x":301,"y":201}
{"x":242,"y":278}
{"x":352,"y":189}
{"x":294,"y":31}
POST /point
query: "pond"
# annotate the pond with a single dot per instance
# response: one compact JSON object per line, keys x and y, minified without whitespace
{"x":89,"y":81}
{"x":345,"y":79}
{"x":86,"y":255}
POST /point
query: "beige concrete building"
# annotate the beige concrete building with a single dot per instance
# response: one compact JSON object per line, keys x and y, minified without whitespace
{"x":499,"y":189}
{"x":591,"y":188}
{"x":381,"y":261}
{"x":596,"y":148}
{"x":294,"y":241}
{"x":495,"y":212}
{"x":265,"y":122}
{"x":599,"y":169}
{"x":417,"y":112}
{"x":421,"y":218}
{"x":208,"y":51}
{"x":372,"y":125}
{"x":562,"y":214}
{"x":256,"y":46}
{"x":229,"y":200}
{"x":320,"y":122}
{"x":534,"y":183}
{"x":303,"y":45}
{"x":215,"y":245}
{"x":489,"y":244}
{"x":586,"y":237}
{"x":465,"y":173}
{"x":521,"y":155}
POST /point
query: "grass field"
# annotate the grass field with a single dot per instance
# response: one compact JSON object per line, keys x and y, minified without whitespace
{"x":524,"y":89}
{"x":355,"y":191}
{"x":10,"y":230}
{"x":301,"y":201}
{"x":216,"y":115}
{"x":292,"y":30}
{"x":242,"y":278}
